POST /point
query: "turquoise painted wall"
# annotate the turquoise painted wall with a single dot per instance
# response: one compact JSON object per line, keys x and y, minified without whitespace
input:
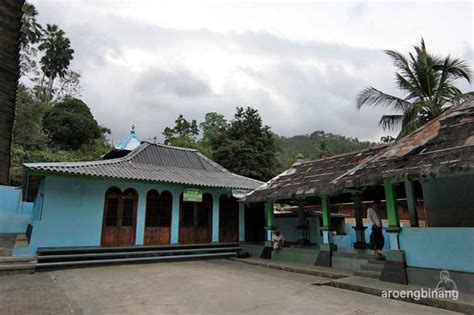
{"x":287,"y":226}
{"x":69,"y":210}
{"x":15,"y":214}
{"x":439,"y":248}
{"x":350,"y":238}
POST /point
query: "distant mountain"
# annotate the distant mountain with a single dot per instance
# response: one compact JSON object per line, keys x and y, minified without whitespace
{"x":316,"y":145}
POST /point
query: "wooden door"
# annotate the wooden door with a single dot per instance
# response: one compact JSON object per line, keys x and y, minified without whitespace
{"x":158,"y":218}
{"x":120,"y":215}
{"x":196,"y":221}
{"x":228,"y":219}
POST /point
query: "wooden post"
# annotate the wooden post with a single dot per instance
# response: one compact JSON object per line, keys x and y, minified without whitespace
{"x":411,"y":203}
{"x":302,"y":223}
{"x":359,"y":227}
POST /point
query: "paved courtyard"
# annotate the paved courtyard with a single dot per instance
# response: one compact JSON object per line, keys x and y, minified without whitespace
{"x":190,"y":287}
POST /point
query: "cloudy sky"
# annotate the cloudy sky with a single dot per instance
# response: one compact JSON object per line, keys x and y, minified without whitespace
{"x":301,"y":64}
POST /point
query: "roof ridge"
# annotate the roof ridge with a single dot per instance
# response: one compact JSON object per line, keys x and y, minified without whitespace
{"x":345,"y":154}
{"x":215,"y":164}
{"x":125,"y":158}
{"x":170,"y":146}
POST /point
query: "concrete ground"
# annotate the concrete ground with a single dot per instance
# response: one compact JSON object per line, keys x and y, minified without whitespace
{"x":190,"y":287}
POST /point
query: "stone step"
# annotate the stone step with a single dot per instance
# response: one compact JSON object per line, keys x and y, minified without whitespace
{"x":372,"y":267}
{"x":367,"y":274}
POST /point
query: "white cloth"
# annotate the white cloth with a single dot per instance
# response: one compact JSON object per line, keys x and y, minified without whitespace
{"x":276,"y":239}
{"x":373,"y":217}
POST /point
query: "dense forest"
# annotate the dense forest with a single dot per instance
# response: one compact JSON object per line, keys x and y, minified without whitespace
{"x":318,"y":144}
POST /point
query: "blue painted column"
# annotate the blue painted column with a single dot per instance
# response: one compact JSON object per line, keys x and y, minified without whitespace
{"x":215,"y":219}
{"x":175,"y":218}
{"x":241,"y":222}
{"x":141,"y":213}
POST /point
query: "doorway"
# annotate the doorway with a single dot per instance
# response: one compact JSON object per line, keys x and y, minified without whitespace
{"x":158,"y":218}
{"x":195,"y":224}
{"x":120,"y":217}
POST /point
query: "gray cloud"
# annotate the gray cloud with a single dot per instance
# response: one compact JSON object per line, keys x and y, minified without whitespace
{"x":180,"y":83}
{"x":146,"y":74}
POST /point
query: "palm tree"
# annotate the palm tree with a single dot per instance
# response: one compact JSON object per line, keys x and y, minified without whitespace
{"x":428,"y":85}
{"x":31,"y":34}
{"x":58,"y":55}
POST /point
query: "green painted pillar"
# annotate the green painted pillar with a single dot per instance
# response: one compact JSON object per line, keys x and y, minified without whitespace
{"x":411,"y":203}
{"x":391,"y":202}
{"x":359,"y":226}
{"x":241,"y":222}
{"x":327,"y":247}
{"x":270,"y":219}
{"x":327,"y":234}
{"x":326,"y":211}
{"x":395,"y":268}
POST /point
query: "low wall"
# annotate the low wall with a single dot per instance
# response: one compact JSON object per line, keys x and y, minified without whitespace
{"x":439,"y":248}
{"x":347,"y":240}
{"x":287,"y":226}
{"x":15,"y":214}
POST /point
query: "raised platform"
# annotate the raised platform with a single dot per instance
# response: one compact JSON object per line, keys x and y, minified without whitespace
{"x":75,"y":256}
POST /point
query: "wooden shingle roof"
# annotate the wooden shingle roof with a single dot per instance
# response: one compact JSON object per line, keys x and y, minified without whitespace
{"x":443,"y":146}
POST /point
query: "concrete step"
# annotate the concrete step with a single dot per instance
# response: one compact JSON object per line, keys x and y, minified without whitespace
{"x":21,"y":241}
{"x":367,"y":274}
{"x":464,"y":304}
{"x":376,"y":262}
{"x":16,"y":259}
{"x":17,"y":269}
{"x":308,"y":269}
{"x":372,"y":267}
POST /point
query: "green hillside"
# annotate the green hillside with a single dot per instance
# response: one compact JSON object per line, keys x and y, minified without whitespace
{"x":316,"y":145}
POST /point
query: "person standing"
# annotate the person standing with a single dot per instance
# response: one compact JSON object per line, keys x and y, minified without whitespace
{"x":377,"y":240}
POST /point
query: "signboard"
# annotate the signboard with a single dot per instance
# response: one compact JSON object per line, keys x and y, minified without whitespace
{"x":192,"y":195}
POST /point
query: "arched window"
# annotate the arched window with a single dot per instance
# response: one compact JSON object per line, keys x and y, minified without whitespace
{"x":165,"y":205}
{"x":112,"y":201}
{"x":187,"y":213}
{"x":130,"y":198}
{"x":152,"y":206}
{"x":204,"y":211}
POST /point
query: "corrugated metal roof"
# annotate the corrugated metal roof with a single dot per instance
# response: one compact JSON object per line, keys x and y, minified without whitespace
{"x":156,"y":162}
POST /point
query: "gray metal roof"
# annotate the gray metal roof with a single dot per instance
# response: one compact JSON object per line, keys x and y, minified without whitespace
{"x":156,"y":162}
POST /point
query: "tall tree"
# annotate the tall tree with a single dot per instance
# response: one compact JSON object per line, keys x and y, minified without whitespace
{"x":428,"y":85}
{"x":322,"y":150}
{"x":183,"y":131}
{"x":70,"y":124}
{"x":213,"y":126}
{"x":31,"y":34}
{"x":57,"y":57}
{"x":247,"y":147}
{"x":28,"y":131}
